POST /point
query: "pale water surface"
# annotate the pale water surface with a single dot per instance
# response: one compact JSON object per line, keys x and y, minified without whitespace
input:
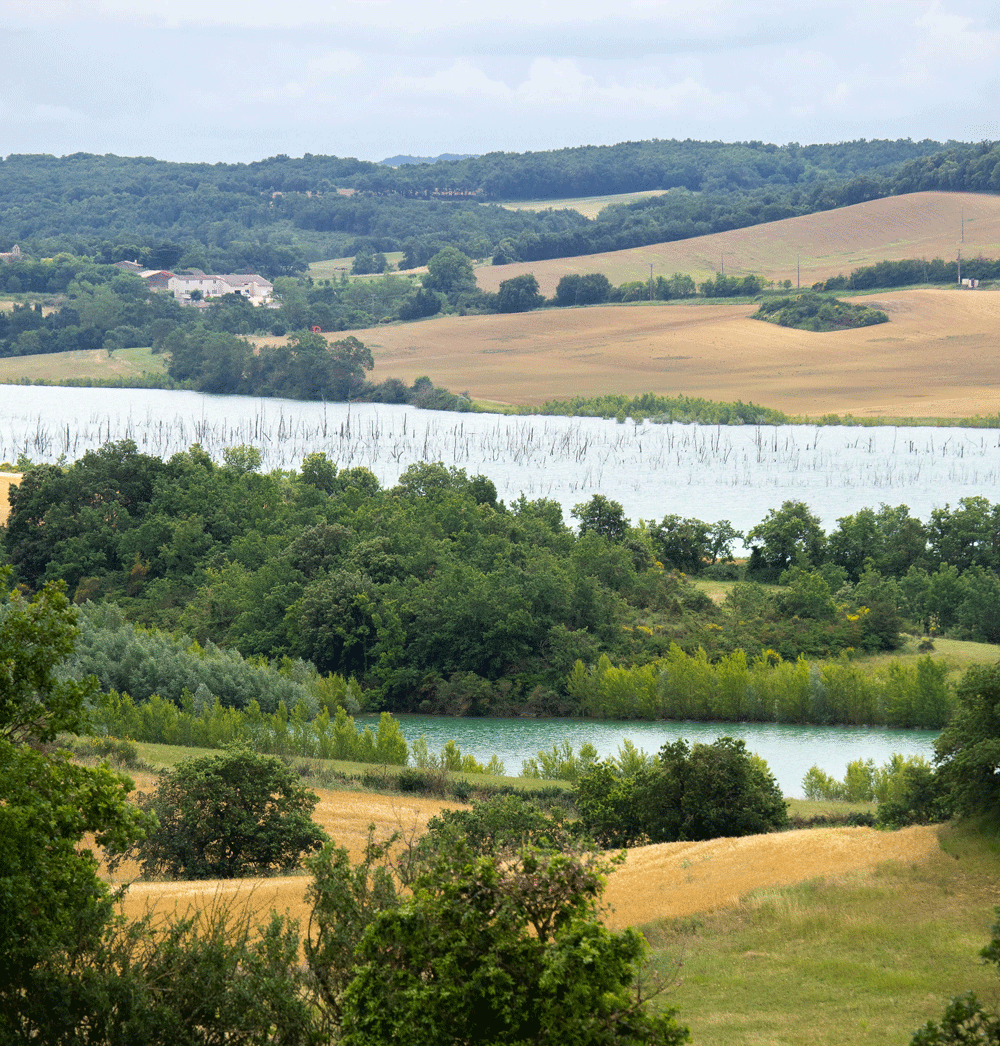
{"x":736,"y":473}
{"x":789,"y":750}
{"x":709,"y":472}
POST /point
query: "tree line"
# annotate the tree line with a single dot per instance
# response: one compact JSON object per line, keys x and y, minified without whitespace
{"x":276,"y":215}
{"x":436,"y":596}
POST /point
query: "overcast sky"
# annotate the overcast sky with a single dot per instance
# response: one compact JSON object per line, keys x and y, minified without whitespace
{"x":218,"y":80}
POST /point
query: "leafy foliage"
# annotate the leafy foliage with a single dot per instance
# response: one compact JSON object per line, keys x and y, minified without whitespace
{"x":498,"y":947}
{"x":968,"y":749}
{"x":814,"y":312}
{"x":55,"y":907}
{"x":687,"y":794}
{"x":229,"y":816}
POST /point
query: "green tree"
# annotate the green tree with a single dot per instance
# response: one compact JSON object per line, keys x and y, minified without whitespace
{"x":788,"y":536}
{"x":450,"y":272}
{"x":519,"y":294}
{"x":967,"y":750}
{"x":227,"y":816}
{"x":683,"y":544}
{"x":688,"y":793}
{"x":601,"y":516}
{"x":55,"y":907}
{"x":501,"y":948}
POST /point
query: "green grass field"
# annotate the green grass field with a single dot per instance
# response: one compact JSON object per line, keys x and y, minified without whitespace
{"x":868,"y":957}
{"x":860,"y":957}
{"x":334,"y":268}
{"x":83,"y":366}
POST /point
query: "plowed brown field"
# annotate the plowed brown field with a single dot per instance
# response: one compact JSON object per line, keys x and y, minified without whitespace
{"x":937,"y":357}
{"x":918,"y":225}
{"x":664,"y":881}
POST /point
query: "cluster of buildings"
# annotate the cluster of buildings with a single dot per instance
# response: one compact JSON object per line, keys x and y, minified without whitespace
{"x":258,"y":290}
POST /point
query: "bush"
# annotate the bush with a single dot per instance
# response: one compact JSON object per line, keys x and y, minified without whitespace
{"x":228,"y":816}
{"x":704,"y":792}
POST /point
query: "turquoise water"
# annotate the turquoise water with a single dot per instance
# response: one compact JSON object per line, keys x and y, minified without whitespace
{"x":789,"y":750}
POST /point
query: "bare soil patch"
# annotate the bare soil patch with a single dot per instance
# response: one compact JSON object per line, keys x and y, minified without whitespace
{"x":937,"y":357}
{"x":918,"y":225}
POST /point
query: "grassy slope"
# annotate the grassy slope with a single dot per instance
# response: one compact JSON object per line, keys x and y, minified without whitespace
{"x":588,"y":206}
{"x":919,"y":225}
{"x":82,"y":365}
{"x":863,"y":957}
{"x":858,"y":951}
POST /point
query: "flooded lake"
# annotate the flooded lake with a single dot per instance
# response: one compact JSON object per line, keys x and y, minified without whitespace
{"x":737,"y":473}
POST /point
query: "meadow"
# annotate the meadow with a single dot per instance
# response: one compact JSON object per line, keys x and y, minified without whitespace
{"x":588,"y":206}
{"x":822,"y":936}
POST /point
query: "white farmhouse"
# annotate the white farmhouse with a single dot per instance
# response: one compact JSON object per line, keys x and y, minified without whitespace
{"x":254,"y":287}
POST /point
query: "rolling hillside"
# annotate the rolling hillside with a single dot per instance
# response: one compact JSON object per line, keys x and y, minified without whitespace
{"x":936,"y":358}
{"x":919,"y":225}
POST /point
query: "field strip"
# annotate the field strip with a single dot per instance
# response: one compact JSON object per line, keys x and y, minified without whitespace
{"x":804,"y":249}
{"x":670,"y":880}
{"x":667,"y":880}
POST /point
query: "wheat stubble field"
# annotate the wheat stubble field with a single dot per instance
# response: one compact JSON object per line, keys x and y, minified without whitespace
{"x":917,"y":225}
{"x":937,"y":357}
{"x":666,"y":881}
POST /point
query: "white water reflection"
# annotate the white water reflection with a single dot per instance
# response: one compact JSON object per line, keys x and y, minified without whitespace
{"x":709,"y":472}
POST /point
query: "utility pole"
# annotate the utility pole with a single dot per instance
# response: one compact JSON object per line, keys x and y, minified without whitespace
{"x":650,"y":281}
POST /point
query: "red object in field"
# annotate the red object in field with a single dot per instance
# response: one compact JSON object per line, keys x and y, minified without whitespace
{"x":317,"y":330}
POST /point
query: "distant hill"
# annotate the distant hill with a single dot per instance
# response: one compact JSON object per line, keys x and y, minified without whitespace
{"x":801,"y":249}
{"x":275,"y":216}
{"x":401,"y":161}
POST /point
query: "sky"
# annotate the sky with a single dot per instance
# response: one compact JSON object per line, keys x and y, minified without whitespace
{"x":217,"y":80}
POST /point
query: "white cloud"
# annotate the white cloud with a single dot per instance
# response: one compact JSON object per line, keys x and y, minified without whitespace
{"x":461,"y":79}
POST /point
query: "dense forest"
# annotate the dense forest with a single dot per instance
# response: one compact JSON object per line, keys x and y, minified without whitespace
{"x":275,"y":215}
{"x":433,"y":595}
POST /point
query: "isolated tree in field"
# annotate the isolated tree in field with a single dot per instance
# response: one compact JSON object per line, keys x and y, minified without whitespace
{"x":687,"y":793}
{"x":450,"y":271}
{"x":519,"y":294}
{"x":229,"y":816}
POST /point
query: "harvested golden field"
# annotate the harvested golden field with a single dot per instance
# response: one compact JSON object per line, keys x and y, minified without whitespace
{"x":344,"y":815}
{"x":663,"y":881}
{"x":676,"y":879}
{"x":7,"y":480}
{"x":588,"y":206}
{"x":937,"y":357}
{"x":918,"y":225}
